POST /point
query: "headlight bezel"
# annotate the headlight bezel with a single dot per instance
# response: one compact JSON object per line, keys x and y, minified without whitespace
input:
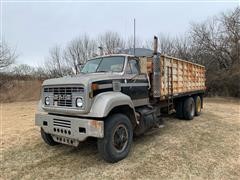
{"x":80,"y":103}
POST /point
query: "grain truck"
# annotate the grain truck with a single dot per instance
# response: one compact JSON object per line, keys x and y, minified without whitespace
{"x":116,"y":97}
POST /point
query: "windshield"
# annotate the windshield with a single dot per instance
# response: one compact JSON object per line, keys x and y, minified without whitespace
{"x":105,"y":64}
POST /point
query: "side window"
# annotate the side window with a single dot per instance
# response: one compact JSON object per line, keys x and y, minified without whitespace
{"x":128,"y":69}
{"x":134,"y":66}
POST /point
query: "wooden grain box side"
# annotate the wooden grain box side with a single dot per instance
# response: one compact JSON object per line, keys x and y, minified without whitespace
{"x":180,"y":75}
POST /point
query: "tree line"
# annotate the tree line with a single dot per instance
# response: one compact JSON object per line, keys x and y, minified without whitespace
{"x":214,"y":43}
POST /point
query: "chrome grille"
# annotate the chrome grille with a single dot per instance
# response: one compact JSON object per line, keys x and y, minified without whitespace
{"x":64,"y":89}
{"x":63,"y":96}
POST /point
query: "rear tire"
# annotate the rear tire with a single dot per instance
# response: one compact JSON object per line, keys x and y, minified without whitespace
{"x":189,"y":108}
{"x":47,"y":138}
{"x":198,"y":104}
{"x":118,"y":134}
{"x":179,"y":109}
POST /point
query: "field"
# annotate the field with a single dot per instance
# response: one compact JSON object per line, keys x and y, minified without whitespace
{"x":206,"y":148}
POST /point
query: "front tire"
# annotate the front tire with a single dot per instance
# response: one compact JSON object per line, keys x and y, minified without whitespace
{"x":118,"y":134}
{"x":47,"y":138}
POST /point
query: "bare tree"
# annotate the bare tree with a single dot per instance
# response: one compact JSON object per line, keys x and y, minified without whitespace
{"x":23,"y":70}
{"x":130,"y":42}
{"x":111,"y":42}
{"x":219,"y":39}
{"x":54,"y":63}
{"x":40,"y":73}
{"x":78,"y":51}
{"x":166,"y":45}
{"x":7,"y":55}
{"x":231,"y":24}
{"x":183,"y":48}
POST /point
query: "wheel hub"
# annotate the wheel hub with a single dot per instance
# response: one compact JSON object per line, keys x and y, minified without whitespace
{"x":120,"y":138}
{"x":198,"y":105}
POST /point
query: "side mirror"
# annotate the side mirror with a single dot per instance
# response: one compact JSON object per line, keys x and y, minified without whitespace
{"x":80,"y":66}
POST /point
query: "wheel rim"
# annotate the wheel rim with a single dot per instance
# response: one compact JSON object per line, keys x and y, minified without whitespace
{"x":198,"y":104}
{"x":120,"y":138}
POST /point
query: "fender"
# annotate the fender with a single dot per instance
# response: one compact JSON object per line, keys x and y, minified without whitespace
{"x":105,"y":102}
{"x":39,"y":107}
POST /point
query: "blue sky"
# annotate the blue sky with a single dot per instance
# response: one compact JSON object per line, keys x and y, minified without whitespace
{"x":34,"y":27}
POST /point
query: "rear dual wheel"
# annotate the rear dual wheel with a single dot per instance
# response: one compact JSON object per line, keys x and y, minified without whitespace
{"x":179,"y":109}
{"x":198,"y":105}
{"x":189,"y":107}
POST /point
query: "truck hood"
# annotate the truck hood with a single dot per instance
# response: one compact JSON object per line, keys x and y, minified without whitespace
{"x":81,"y":79}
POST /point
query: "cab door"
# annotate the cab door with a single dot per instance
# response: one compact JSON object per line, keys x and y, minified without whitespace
{"x":135,"y":84}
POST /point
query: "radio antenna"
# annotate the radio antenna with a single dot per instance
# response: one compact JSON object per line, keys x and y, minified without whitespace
{"x":134,"y":36}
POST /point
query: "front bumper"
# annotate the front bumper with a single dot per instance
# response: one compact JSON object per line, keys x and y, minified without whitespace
{"x":69,"y":128}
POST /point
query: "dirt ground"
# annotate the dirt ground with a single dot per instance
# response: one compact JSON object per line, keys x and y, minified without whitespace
{"x":206,"y":148}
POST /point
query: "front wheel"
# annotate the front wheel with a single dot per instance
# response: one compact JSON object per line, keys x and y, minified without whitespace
{"x":117,"y":140}
{"x":47,"y":138}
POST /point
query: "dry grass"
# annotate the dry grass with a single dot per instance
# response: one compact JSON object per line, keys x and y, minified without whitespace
{"x":206,"y":148}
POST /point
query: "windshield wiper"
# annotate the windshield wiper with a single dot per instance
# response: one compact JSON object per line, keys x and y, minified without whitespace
{"x":99,"y":64}
{"x":102,"y":71}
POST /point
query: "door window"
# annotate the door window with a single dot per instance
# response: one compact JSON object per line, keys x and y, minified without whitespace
{"x":132,"y":67}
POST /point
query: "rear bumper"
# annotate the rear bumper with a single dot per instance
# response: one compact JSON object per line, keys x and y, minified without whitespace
{"x":70,"y":127}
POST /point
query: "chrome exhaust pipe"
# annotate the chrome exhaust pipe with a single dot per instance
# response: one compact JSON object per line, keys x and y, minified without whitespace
{"x":156,"y":69}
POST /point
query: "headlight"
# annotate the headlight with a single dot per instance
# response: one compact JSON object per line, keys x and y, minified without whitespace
{"x":79,"y":102}
{"x":47,"y":100}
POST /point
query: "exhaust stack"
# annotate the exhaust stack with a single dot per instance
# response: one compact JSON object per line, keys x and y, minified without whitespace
{"x":156,"y":69}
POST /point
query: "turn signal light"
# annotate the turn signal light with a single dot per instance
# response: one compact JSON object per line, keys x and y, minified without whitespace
{"x":94,"y":86}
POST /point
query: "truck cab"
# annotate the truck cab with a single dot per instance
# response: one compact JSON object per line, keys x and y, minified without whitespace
{"x":99,"y":102}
